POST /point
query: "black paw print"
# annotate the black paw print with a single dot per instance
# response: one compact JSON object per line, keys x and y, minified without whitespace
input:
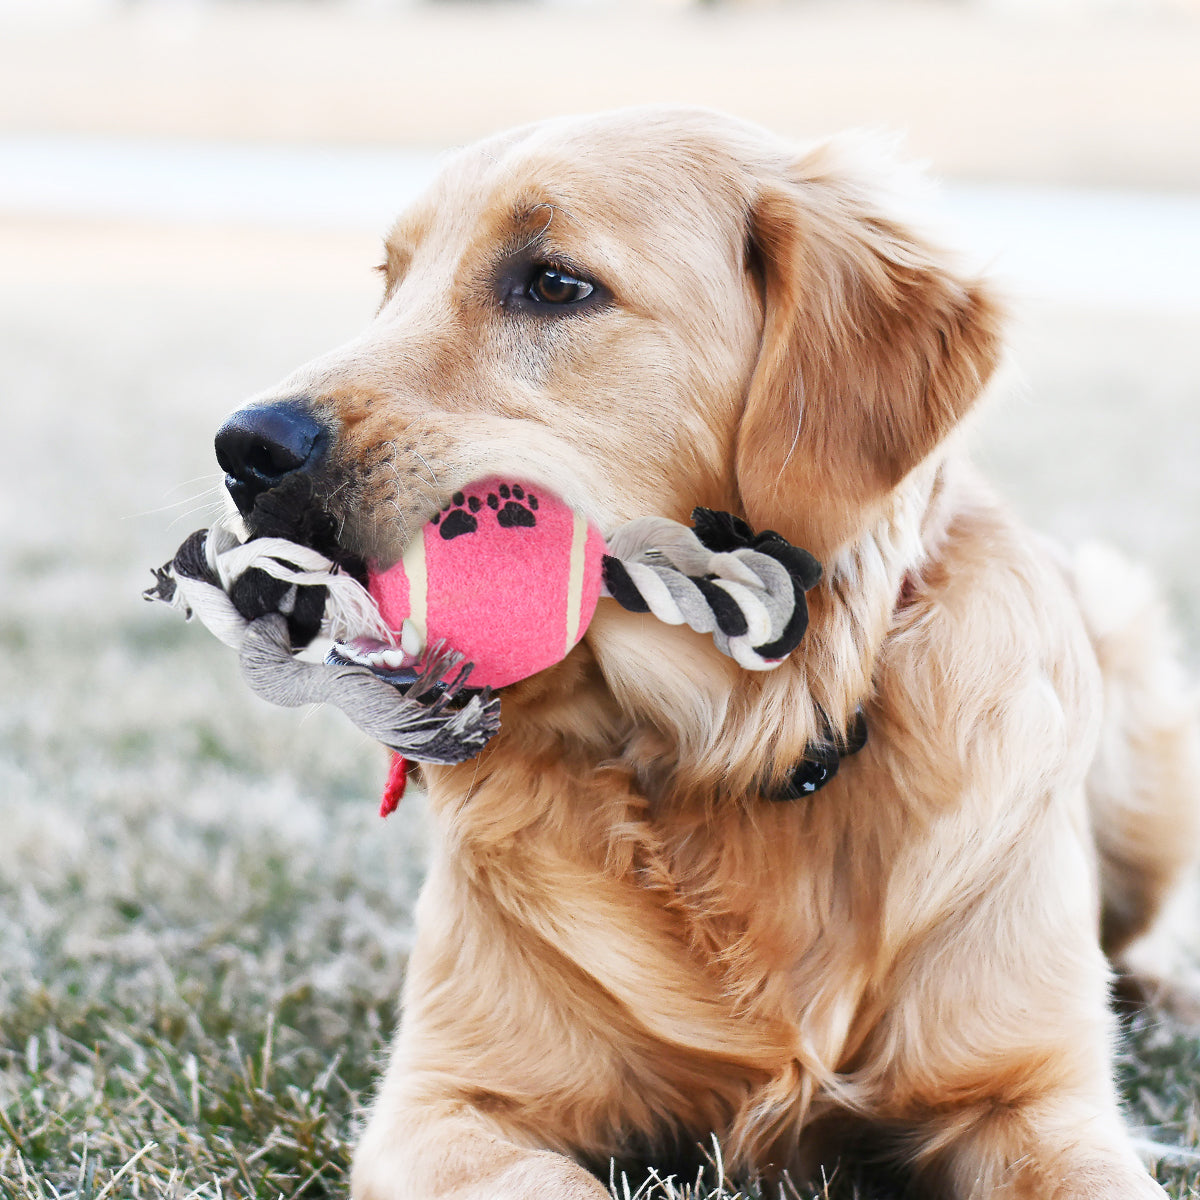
{"x":514,"y":508}
{"x":514,"y":513}
{"x":458,"y":520}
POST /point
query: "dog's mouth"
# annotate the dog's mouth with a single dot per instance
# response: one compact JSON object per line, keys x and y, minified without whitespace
{"x":434,"y":677}
{"x":393,"y":664}
{"x":294,"y":511}
{"x":399,"y":657}
{"x":297,"y":511}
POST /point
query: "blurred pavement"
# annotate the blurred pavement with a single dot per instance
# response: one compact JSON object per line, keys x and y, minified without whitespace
{"x":1032,"y":93}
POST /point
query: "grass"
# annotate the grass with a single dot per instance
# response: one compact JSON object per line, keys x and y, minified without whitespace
{"x":203,"y":923}
{"x":186,"y":1015}
{"x":201,"y":955}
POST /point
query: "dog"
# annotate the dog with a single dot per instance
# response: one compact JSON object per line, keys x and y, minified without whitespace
{"x":633,"y":934}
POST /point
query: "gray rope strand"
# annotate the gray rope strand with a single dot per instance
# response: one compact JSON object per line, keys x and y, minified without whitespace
{"x":745,"y":598}
{"x":431,"y":733}
{"x":417,"y":720}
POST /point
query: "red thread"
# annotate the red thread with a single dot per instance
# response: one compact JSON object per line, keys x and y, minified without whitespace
{"x":393,"y":790}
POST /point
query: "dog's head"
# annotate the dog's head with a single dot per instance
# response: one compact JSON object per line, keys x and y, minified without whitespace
{"x":642,"y":312}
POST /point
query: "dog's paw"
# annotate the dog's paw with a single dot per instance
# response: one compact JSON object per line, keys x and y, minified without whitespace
{"x":541,"y":1175}
{"x":453,"y":1162}
{"x":1178,"y":995}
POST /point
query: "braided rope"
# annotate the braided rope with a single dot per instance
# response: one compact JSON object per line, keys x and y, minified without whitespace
{"x":747,"y":590}
{"x":268,"y":597}
{"x":211,"y":563}
{"x":418,"y":721}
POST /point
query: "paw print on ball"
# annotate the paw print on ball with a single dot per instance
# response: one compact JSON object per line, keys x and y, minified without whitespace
{"x":458,"y":520}
{"x":513,"y":506}
{"x":518,"y":508}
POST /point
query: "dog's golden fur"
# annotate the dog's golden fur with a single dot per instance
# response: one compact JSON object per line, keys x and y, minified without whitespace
{"x":621,"y":943}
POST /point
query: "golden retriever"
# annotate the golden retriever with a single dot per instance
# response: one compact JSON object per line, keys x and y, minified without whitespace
{"x":625,"y":943}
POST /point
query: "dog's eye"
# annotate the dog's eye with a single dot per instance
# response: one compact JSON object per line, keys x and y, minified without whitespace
{"x":549,"y":285}
{"x":545,"y":289}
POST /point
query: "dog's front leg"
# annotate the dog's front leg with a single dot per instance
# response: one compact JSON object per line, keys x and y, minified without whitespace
{"x":998,"y":1050}
{"x":420,"y":1151}
{"x":490,"y":1074}
{"x":1057,"y":1149}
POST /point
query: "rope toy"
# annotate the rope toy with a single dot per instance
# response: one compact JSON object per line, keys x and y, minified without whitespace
{"x":268,"y":597}
{"x":501,"y":584}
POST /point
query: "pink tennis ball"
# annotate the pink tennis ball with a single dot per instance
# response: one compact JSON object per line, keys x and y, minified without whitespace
{"x":506,"y":573}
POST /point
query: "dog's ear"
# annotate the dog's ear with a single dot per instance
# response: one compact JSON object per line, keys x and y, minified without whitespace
{"x":872,"y":350}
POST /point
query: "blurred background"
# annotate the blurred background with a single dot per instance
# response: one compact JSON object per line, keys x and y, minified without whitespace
{"x":192,"y":196}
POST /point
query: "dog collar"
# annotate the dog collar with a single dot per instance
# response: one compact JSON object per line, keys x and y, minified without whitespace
{"x":821,"y":761}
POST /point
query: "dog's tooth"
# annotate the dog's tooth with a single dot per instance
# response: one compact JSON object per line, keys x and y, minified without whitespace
{"x":393,"y":659}
{"x":410,"y":639}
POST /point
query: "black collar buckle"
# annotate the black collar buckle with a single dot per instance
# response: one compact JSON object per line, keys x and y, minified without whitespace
{"x":821,"y":761}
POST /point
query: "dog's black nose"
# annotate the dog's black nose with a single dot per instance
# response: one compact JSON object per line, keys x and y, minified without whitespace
{"x":262,"y":445}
